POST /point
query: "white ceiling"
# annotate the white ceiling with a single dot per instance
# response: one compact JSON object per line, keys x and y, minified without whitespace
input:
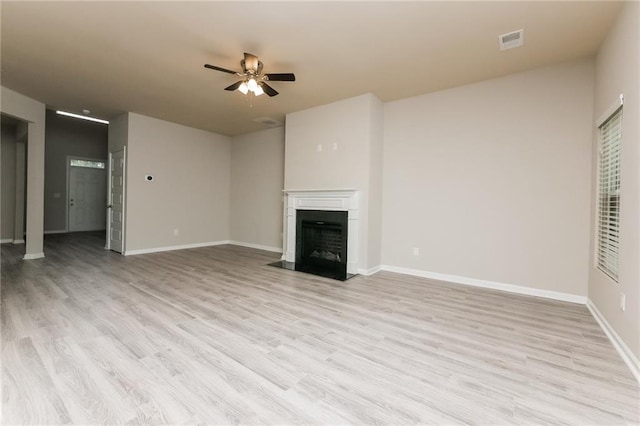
{"x":148,"y":57}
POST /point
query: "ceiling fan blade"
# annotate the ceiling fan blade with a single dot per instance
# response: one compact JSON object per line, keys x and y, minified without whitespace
{"x":251,"y":62}
{"x":268,"y":89}
{"x":234,"y":86}
{"x":281,"y":77}
{"x":213,"y":67}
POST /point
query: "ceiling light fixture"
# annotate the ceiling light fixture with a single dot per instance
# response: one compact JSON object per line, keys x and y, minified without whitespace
{"x":82,"y":117}
{"x":251,"y":85}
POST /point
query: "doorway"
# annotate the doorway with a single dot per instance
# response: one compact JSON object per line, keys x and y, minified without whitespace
{"x":86,"y":203}
{"x":13,"y":150}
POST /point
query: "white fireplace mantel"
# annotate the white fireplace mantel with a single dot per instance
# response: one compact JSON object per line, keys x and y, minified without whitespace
{"x":324,"y":199}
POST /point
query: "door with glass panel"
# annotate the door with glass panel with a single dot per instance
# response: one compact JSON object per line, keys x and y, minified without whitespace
{"x":115,"y":239}
{"x":87,"y":195}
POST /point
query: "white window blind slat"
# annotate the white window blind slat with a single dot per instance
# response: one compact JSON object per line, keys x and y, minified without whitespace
{"x":609,"y":195}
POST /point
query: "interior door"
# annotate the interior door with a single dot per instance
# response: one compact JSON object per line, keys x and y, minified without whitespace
{"x":116,"y":201}
{"x":87,"y":196}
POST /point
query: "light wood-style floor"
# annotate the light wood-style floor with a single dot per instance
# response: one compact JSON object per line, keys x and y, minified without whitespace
{"x":215,"y":336}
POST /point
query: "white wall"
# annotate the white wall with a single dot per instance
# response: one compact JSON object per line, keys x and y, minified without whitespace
{"x":347,"y":125}
{"x":27,"y":109}
{"x":491,"y":181}
{"x":118,"y":133}
{"x":617,"y":72}
{"x":257,"y":181}
{"x":190,"y":192}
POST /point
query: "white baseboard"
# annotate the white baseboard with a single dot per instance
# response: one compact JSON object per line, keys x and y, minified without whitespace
{"x":6,"y":240}
{"x":369,"y":271}
{"x":56,"y":231}
{"x":170,"y":248}
{"x":511,"y":288}
{"x":32,"y":256}
{"x":627,"y":356}
{"x":257,"y":246}
{"x":18,"y":241}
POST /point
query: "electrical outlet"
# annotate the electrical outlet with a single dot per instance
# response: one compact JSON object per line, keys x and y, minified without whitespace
{"x":416,"y":251}
{"x":176,"y":232}
{"x":623,"y":301}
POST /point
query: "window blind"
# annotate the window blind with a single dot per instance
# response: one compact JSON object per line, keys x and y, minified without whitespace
{"x":609,"y":195}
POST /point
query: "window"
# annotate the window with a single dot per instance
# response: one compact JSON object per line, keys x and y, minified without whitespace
{"x":609,"y":194}
{"x":86,"y":163}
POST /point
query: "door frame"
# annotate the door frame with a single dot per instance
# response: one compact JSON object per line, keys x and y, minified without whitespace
{"x":107,"y":245}
{"x":69,"y":158}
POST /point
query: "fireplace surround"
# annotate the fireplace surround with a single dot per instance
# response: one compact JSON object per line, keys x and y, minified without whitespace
{"x":332,"y":200}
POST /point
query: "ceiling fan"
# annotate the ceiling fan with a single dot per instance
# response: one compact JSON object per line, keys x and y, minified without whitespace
{"x":252,"y":79}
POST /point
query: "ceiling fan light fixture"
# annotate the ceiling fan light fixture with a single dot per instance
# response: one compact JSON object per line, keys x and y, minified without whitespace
{"x":251,"y":78}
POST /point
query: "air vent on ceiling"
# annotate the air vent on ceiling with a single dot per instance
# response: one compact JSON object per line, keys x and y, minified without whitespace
{"x":266,"y":121}
{"x":511,"y":40}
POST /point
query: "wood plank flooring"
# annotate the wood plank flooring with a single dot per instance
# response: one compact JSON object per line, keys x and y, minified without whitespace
{"x":215,"y":336}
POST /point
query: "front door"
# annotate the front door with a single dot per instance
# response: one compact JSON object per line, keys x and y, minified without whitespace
{"x":116,"y":201}
{"x":87,"y":196}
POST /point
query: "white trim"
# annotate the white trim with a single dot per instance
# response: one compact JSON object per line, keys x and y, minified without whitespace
{"x":124,"y":198}
{"x":511,"y":288}
{"x":170,"y":248}
{"x":32,"y":256}
{"x":623,"y":350}
{"x":321,"y":192}
{"x":57,"y":231}
{"x":6,"y":240}
{"x":369,"y":271}
{"x":18,"y":241}
{"x":256,"y":246}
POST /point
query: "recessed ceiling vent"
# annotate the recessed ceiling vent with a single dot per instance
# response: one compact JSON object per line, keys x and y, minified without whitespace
{"x":511,"y":40}
{"x":266,"y":121}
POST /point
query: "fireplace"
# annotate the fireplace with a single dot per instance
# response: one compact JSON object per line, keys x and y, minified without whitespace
{"x":321,"y":243}
{"x":343,"y":202}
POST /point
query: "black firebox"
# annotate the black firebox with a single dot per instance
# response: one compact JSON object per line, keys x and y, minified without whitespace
{"x":321,"y":243}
